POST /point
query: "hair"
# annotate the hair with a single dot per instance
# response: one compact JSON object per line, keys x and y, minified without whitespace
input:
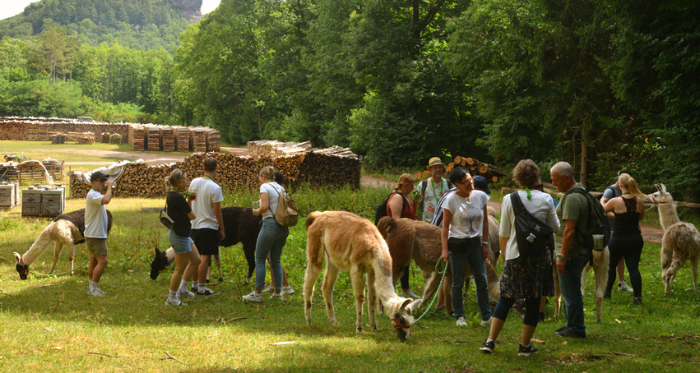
{"x":279,"y":178}
{"x":268,"y":172}
{"x":175,"y":177}
{"x":563,"y":169}
{"x":458,"y":174}
{"x":527,"y":173}
{"x":404,"y":180}
{"x":210,"y":164}
{"x":628,"y":182}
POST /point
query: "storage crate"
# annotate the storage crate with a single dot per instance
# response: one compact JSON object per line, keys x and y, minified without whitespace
{"x":31,"y":195}
{"x":52,"y":201}
{"x":31,"y":209}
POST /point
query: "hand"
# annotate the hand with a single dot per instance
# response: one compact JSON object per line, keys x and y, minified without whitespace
{"x":222,"y":232}
{"x":485,"y":250}
{"x":445,"y":256}
{"x":256,"y":212}
{"x":109,"y":184}
{"x":560,"y":266}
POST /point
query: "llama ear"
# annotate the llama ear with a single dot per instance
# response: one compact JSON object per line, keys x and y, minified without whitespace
{"x":415,"y":304}
{"x":18,"y":258}
{"x":406,"y":303}
{"x":663,"y":188}
{"x":157,"y":252}
{"x":658,"y":187}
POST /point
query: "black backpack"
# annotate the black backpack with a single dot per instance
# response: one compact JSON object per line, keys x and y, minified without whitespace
{"x":597,"y":234}
{"x":381,"y":210}
{"x":533,"y":236}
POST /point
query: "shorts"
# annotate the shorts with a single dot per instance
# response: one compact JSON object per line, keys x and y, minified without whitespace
{"x":207,"y":241}
{"x":181,"y":245}
{"x":96,"y":246}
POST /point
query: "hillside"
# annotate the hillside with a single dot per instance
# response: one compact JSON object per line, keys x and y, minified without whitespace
{"x":138,"y":24}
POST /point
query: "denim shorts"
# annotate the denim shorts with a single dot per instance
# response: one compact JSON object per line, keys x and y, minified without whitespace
{"x":181,"y":245}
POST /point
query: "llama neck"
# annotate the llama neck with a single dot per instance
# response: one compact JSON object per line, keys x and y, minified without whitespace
{"x":667,"y":214}
{"x":39,"y":246}
{"x":383,"y":284}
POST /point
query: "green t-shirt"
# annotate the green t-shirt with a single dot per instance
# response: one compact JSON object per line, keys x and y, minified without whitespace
{"x":575,"y":207}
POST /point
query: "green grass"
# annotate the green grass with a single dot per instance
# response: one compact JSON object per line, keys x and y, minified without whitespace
{"x":50,"y":324}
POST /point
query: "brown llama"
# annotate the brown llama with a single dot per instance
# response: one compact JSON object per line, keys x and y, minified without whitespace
{"x":681,"y":241}
{"x":353,"y":244}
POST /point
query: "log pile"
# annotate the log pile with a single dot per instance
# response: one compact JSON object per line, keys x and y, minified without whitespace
{"x":168,"y":138}
{"x":38,"y":132}
{"x":57,"y":138}
{"x":115,"y":138}
{"x":198,"y":140}
{"x":271,"y":148}
{"x":137,"y":137}
{"x":490,"y":172}
{"x":54,"y":167}
{"x":105,"y":137}
{"x":153,"y":139}
{"x":81,"y":137}
{"x":182,"y":135}
{"x":213,"y":140}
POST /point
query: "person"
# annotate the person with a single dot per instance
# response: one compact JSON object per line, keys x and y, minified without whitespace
{"x":626,"y":241}
{"x":208,"y":226}
{"x":528,"y":278}
{"x":96,"y":223}
{"x":464,"y":224}
{"x":286,"y":288}
{"x":432,"y":190}
{"x":609,"y":193}
{"x":181,"y":213}
{"x":572,"y":257}
{"x":481,"y":184}
{"x":271,"y":238}
{"x":401,"y":206}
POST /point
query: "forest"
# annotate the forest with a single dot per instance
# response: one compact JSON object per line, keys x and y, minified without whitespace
{"x":603,"y":84}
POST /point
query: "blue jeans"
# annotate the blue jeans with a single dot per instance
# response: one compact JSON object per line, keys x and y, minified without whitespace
{"x":271,"y":240}
{"x":570,"y":285}
{"x":468,"y":252}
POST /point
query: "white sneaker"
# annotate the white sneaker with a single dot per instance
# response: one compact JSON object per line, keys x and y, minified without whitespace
{"x":622,"y":286}
{"x":185,"y":294}
{"x":174,"y":302}
{"x":410,"y":294}
{"x":461,"y":321}
{"x":287,"y":290}
{"x":253,"y":297}
{"x":268,"y":289}
{"x":487,"y":322}
{"x":277,"y":296}
{"x":96,"y":293}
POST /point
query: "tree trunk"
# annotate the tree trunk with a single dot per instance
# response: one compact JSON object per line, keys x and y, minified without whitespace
{"x":259,"y":110}
{"x":584,"y":154}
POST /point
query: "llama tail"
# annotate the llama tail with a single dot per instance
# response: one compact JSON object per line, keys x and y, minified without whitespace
{"x":311,"y":218}
{"x":39,"y":246}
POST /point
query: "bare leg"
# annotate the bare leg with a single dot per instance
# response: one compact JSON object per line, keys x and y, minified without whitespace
{"x":496,"y":326}
{"x":180,"y":264}
{"x":203,"y":266}
{"x":99,"y":268}
{"x":193,"y":267}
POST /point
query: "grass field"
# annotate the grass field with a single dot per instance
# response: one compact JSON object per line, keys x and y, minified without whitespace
{"x":50,"y":324}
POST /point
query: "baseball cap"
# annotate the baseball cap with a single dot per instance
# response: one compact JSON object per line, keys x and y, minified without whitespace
{"x":481,"y":184}
{"x":622,"y":171}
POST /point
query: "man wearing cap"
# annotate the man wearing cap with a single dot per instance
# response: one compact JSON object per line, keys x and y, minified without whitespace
{"x":432,"y":189}
{"x":96,"y":229}
{"x":610,"y":193}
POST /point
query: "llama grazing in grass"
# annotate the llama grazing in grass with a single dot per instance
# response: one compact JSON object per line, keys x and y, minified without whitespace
{"x":681,"y":240}
{"x":353,"y":244}
{"x":65,"y":230}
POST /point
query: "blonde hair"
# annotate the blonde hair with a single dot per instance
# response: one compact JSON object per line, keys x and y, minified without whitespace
{"x":268,"y":172}
{"x":175,"y":177}
{"x":404,"y":180}
{"x":628,"y":182}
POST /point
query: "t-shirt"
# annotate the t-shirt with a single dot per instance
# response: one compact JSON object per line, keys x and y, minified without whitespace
{"x":208,"y":193}
{"x":273,"y":197}
{"x":541,"y":206}
{"x":431,"y":199}
{"x":467,"y":214}
{"x":96,"y":221}
{"x":178,"y":208}
{"x":575,"y":208}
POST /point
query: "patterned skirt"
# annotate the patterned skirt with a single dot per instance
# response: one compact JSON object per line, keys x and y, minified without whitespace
{"x":529,"y":277}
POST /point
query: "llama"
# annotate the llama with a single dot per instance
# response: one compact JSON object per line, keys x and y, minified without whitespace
{"x":240,"y":225}
{"x":681,"y":241}
{"x":353,"y":244}
{"x":601,"y":263}
{"x":66,"y":229}
{"x":422,"y":241}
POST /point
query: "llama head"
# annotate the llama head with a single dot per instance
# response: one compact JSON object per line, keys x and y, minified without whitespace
{"x":22,"y":268}
{"x":661,"y":195}
{"x":159,"y":263}
{"x":401,"y":313}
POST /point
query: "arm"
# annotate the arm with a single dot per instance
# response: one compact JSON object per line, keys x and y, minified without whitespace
{"x":108,"y":195}
{"x":191,"y":215}
{"x":640,"y":208}
{"x":503,"y":241}
{"x":568,"y":239}
{"x":396,"y":205}
{"x":445,"y":233}
{"x":485,"y":235}
{"x":219,"y":219}
{"x":264,"y":204}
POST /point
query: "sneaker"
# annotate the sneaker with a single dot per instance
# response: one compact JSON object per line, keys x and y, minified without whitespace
{"x":268,"y":289}
{"x":277,"y":296}
{"x":184,"y":294}
{"x":622,"y":286}
{"x":526,"y":351}
{"x":287,"y":290}
{"x":253,"y":297}
{"x":570,"y":333}
{"x":461,"y":321}
{"x":488,"y":347}
{"x":206,"y":291}
{"x":637,"y":301}
{"x":487,"y":322}
{"x":560,"y":329}
{"x":96,"y":293}
{"x":410,"y":294}
{"x":173,"y":302}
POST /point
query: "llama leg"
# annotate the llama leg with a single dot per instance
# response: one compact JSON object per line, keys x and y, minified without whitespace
{"x":372,"y":295}
{"x":312,"y":273}
{"x":431,"y":285}
{"x":71,"y":256}
{"x":57,"y":248}
{"x":328,"y":284}
{"x":249,"y":251}
{"x":694,"y":271}
{"x":358,"y":289}
{"x":601,"y":265}
{"x":583,"y":279}
{"x":557,"y":293}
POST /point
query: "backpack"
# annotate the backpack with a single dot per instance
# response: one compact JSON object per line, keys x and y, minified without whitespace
{"x":597,"y":234}
{"x":533,"y":236}
{"x":287,"y":214}
{"x":381,"y":210}
{"x":423,"y":186}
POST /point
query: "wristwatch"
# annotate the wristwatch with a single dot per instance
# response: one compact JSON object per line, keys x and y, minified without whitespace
{"x":559,"y":256}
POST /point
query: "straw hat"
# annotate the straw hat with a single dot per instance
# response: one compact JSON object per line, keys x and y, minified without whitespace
{"x":434,"y":161}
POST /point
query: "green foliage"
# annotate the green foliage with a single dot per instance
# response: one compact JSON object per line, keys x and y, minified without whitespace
{"x":39,"y":98}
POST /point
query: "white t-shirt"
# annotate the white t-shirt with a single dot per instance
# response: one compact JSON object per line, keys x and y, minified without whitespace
{"x":95,"y":215}
{"x":273,"y":197}
{"x":467,"y":214}
{"x":208,"y":193}
{"x":541,"y":206}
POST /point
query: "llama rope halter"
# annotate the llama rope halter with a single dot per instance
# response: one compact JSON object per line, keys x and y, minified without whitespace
{"x":400,"y":326}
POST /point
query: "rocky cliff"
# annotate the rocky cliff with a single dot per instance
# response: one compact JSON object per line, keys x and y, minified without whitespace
{"x":190,"y":9}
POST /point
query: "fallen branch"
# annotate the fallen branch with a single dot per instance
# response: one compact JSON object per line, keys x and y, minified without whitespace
{"x":170,"y":357}
{"x":108,"y":355}
{"x":42,"y":286}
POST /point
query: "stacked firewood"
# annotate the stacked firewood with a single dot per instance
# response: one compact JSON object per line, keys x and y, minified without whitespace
{"x":182,"y":135}
{"x":213,"y":140}
{"x":137,"y":137}
{"x":38,"y":132}
{"x":168,"y":138}
{"x":490,"y":172}
{"x":153,"y":139}
{"x":271,"y":148}
{"x":198,"y":140}
{"x":320,"y":169}
{"x":115,"y":138}
{"x":105,"y":137}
